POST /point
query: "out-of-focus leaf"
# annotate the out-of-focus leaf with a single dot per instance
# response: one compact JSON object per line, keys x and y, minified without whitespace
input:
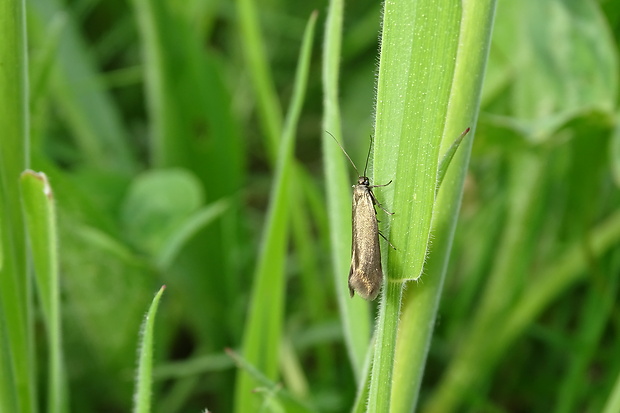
{"x":157,"y":204}
{"x":559,"y":59}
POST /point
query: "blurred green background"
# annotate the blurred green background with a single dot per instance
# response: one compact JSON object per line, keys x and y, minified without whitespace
{"x":166,"y":181}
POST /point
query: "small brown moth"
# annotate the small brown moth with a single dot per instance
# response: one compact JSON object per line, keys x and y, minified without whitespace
{"x":365,"y":275}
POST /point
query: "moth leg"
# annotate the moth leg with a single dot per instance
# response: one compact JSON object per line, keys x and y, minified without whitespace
{"x":379,"y":186}
{"x":387,"y":240}
{"x":374,"y":199}
{"x":376,"y":202}
{"x":384,"y":210}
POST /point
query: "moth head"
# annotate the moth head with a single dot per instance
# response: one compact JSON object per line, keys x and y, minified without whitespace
{"x":363,"y":180}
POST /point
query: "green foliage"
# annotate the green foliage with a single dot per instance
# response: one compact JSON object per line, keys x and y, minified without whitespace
{"x":186,"y":145}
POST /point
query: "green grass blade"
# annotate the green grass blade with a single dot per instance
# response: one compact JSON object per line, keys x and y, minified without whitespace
{"x":264,"y":322}
{"x":597,"y":313}
{"x":421,"y":300}
{"x":354,"y":314}
{"x":94,"y":121}
{"x":189,"y":100}
{"x":192,"y":225}
{"x":272,"y":391}
{"x":144,"y":377}
{"x":269,"y":113}
{"x":256,"y":58}
{"x":412,"y":103}
{"x":559,"y":275}
{"x":316,"y":297}
{"x":446,"y":160}
{"x":17,"y":380}
{"x":43,"y":62}
{"x":192,"y":367}
{"x":40,"y":215}
{"x":416,"y":75}
{"x":361,"y":398}
{"x":165,"y":148}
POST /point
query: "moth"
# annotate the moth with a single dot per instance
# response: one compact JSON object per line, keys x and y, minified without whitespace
{"x":365,"y":275}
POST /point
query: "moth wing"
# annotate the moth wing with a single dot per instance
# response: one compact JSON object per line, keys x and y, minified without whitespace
{"x":365,"y":275}
{"x":354,"y":250}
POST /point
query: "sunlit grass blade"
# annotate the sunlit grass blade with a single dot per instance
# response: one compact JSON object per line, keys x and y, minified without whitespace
{"x":416,"y":75}
{"x":263,"y":327}
{"x":354,"y":314}
{"x":40,"y":212}
{"x":144,"y":377}
{"x":17,"y":365}
{"x":420,"y":300}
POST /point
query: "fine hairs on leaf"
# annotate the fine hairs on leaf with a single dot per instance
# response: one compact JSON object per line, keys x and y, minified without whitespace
{"x":144,"y":377}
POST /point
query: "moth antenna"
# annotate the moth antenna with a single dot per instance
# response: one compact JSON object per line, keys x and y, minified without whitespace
{"x":346,"y":154}
{"x":368,"y":155}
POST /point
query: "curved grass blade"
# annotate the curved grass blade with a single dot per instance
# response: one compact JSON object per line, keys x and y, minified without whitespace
{"x":144,"y":377}
{"x":447,"y":158}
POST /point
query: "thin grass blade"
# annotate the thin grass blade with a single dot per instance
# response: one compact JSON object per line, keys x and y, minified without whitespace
{"x":40,"y":212}
{"x":263,"y":327}
{"x":144,"y":376}
{"x":354,"y":314}
{"x":17,"y":367}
